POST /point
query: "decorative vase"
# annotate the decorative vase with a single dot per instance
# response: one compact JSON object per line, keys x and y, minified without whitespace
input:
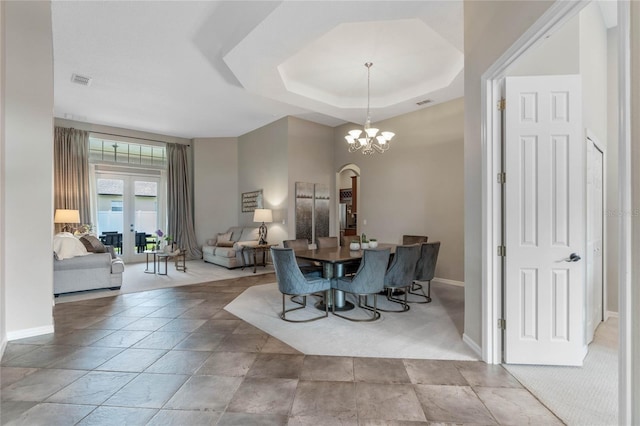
{"x":364,"y":246}
{"x":373,"y":244}
{"x":354,"y":246}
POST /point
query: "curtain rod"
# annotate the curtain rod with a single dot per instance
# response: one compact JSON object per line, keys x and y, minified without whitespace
{"x":133,"y":137}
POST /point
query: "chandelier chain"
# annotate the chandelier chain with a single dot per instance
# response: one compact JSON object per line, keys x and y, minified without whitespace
{"x":370,"y":142}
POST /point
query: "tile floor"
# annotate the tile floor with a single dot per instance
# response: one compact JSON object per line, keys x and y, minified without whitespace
{"x":176,"y":357}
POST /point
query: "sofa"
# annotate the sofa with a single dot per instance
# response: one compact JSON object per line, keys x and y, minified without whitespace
{"x":226,"y":249}
{"x":77,"y":269}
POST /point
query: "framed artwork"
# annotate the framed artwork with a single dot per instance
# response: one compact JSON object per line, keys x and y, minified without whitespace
{"x":251,"y":201}
{"x":304,"y":210}
{"x":312,"y":210}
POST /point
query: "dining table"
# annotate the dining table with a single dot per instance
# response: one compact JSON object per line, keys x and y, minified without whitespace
{"x":333,"y":260}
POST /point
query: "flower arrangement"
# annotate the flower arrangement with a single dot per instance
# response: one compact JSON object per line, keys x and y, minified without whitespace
{"x":161,"y":236}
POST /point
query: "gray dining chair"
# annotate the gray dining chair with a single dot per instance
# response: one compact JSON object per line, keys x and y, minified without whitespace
{"x":425,"y":271}
{"x":414,"y":239}
{"x":326,"y":242}
{"x":400,"y":275}
{"x":368,"y":281}
{"x":308,"y":267}
{"x":291,"y":282}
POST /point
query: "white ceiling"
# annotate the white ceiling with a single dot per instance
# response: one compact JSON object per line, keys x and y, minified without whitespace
{"x":224,"y":68}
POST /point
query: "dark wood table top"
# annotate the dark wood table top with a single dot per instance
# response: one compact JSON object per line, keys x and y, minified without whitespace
{"x":337,"y":254}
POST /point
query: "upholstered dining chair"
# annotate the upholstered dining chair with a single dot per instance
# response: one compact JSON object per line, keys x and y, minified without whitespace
{"x":414,"y":239}
{"x":400,"y":274}
{"x":291,"y":282}
{"x":308,"y":267}
{"x":425,"y":270}
{"x":326,"y":242}
{"x":368,"y":281}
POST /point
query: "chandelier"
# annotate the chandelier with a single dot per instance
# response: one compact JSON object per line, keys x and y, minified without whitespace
{"x":370,"y":142}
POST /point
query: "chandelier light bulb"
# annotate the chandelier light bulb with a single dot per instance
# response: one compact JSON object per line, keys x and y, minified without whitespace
{"x":369,"y":143}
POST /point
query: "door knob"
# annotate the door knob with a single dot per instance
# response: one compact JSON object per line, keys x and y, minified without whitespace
{"x":573,"y":258}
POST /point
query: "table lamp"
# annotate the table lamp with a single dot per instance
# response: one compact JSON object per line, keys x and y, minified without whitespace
{"x":264,"y":216}
{"x":66,"y":216}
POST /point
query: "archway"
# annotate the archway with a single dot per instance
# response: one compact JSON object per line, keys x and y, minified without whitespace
{"x":347,"y":189}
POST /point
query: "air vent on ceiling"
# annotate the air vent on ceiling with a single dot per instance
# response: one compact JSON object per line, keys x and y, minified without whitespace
{"x":81,"y":79}
{"x":426,"y":101}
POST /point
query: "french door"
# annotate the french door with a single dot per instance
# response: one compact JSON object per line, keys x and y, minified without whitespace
{"x":129,"y":210}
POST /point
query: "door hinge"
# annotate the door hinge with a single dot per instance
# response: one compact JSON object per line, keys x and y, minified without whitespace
{"x":502,"y":251}
{"x":502,"y":104}
{"x":502,"y":177}
{"x":502,"y":324}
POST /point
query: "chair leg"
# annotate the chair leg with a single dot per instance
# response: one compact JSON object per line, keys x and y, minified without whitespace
{"x":303,"y":305}
{"x":375,"y":314}
{"x":416,"y":286}
{"x":391,"y":298}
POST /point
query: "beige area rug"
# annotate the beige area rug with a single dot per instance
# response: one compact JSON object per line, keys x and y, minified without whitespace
{"x":586,"y":395}
{"x":135,"y":279}
{"x":426,"y":331}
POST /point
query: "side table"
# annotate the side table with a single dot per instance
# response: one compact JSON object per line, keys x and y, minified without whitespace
{"x":154,"y":253}
{"x":260,"y":248}
{"x":179,"y":259}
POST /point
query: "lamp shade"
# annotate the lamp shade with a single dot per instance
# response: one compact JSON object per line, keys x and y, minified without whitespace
{"x":263,"y":215}
{"x":66,"y":216}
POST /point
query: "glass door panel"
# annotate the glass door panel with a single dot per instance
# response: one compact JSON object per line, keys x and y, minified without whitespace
{"x":128,"y":212}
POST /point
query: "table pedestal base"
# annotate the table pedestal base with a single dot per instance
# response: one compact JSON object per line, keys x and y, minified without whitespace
{"x":340,"y":302}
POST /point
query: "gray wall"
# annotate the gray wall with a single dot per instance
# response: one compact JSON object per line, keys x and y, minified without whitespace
{"x":416,"y":187}
{"x":216,"y":194}
{"x":310,"y":158}
{"x":28,"y":168}
{"x":483,"y":45}
{"x":262,"y":164}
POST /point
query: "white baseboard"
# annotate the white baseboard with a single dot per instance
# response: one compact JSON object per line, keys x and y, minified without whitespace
{"x":611,"y":314}
{"x":450,"y":282}
{"x":472,"y":344}
{"x":29,"y":332}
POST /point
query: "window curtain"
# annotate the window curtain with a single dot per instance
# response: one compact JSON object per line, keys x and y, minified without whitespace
{"x":179,"y":200}
{"x":71,"y":172}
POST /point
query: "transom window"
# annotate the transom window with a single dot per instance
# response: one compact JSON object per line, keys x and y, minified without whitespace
{"x":111,"y":151}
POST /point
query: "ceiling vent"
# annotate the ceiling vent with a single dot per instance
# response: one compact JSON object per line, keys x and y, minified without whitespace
{"x":81,"y":79}
{"x":426,"y":101}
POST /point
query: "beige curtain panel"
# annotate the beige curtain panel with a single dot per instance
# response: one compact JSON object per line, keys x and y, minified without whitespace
{"x":71,"y":172}
{"x":180,"y":201}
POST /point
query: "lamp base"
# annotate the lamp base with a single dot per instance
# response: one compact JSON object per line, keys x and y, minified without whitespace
{"x":262,"y":233}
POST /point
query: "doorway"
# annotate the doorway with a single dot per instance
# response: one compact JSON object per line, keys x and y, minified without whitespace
{"x":555,"y":16}
{"x":347,"y":190}
{"x":128,"y":209}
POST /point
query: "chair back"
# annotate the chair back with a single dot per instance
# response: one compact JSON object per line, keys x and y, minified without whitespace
{"x":369,"y":278}
{"x":290,"y":278}
{"x":299,"y":244}
{"x":402,"y":270}
{"x":413,"y":239}
{"x":426,"y":268}
{"x":327,"y":242}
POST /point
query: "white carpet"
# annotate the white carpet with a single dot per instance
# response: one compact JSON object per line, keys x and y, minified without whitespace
{"x":135,"y":279}
{"x":586,"y":395}
{"x":427,"y":331}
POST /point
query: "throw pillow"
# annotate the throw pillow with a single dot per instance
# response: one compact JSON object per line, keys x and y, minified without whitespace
{"x":224,"y":236}
{"x":225,"y":244}
{"x":68,"y":246}
{"x":93,"y":244}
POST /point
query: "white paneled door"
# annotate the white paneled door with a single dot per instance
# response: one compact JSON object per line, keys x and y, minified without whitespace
{"x":544,"y":294}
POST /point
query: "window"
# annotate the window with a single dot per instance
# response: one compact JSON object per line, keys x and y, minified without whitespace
{"x":111,"y":151}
